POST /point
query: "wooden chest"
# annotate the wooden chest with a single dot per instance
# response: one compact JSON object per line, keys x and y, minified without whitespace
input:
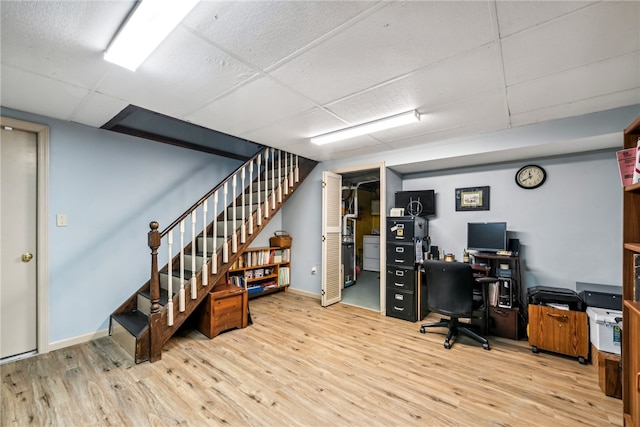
{"x":609,"y":368}
{"x":224,"y":308}
{"x":561,"y":331}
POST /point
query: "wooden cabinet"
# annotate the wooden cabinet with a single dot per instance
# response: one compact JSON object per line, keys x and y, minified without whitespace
{"x":262,"y":270}
{"x":560,"y":331}
{"x":631,"y":305}
{"x":371,"y":253}
{"x":224,"y":308}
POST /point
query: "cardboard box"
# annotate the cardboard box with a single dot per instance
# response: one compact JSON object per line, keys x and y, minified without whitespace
{"x":605,"y":329}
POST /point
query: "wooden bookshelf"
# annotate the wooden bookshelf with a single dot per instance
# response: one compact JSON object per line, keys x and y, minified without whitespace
{"x":262,"y":271}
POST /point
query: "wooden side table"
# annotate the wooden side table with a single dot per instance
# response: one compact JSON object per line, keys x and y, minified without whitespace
{"x":224,"y":308}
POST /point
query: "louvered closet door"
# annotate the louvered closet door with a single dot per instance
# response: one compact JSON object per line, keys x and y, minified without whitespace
{"x":331,"y":238}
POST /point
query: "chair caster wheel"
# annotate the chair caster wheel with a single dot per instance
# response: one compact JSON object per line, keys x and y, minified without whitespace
{"x":447,"y":345}
{"x":486,"y":346}
{"x":423,"y":331}
{"x":535,"y":350}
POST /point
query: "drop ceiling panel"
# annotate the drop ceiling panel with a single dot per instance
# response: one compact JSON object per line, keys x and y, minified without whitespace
{"x":44,"y":37}
{"x":604,"y":30}
{"x":198,"y":73}
{"x":515,"y":16}
{"x":25,"y":91}
{"x":480,"y":114}
{"x":97,"y":109}
{"x":577,"y":84}
{"x":585,"y":106}
{"x":300,"y":128}
{"x":397,"y":39}
{"x":270,"y":31}
{"x":254,"y":105}
{"x":463,"y":76}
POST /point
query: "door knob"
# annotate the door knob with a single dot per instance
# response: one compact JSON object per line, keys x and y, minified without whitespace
{"x":26,"y":257}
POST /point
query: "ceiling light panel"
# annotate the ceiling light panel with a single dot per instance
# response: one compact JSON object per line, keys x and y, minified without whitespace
{"x":146,"y":28}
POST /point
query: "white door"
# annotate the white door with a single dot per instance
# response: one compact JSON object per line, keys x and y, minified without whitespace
{"x":331,"y":238}
{"x":18,"y":222}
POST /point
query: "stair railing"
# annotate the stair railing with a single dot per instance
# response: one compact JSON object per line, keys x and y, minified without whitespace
{"x":261,"y":169}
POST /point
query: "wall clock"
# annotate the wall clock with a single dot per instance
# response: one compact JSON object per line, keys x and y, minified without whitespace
{"x":531,"y":176}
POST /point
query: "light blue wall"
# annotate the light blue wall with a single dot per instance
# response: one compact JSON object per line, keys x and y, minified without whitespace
{"x":569,"y":228}
{"x":110,"y":186}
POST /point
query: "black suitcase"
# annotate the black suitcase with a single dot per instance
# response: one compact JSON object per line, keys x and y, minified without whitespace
{"x":541,"y":295}
{"x":602,"y":300}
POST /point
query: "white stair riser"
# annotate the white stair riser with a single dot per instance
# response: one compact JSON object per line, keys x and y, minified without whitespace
{"x":219,"y":243}
{"x":123,"y":337}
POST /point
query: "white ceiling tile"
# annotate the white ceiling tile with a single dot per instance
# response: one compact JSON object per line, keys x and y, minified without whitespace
{"x":198,"y":73}
{"x":577,"y":108}
{"x":299,"y":128}
{"x":479,"y":114}
{"x":395,"y":40}
{"x":25,"y":91}
{"x":463,"y":76}
{"x":64,"y":40}
{"x":577,"y":84}
{"x":602,"y":31}
{"x":97,"y":109}
{"x":254,"y":105}
{"x":270,"y":30}
{"x":515,"y":16}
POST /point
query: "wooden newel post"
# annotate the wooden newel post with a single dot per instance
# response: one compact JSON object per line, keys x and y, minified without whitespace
{"x":154,"y":244}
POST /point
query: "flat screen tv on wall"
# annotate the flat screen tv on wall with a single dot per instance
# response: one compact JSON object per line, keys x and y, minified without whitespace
{"x":417,"y":203}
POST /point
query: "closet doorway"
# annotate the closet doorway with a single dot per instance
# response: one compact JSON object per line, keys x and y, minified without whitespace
{"x":362,"y":214}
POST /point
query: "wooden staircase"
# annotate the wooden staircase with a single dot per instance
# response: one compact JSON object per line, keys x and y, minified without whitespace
{"x":201,"y":256}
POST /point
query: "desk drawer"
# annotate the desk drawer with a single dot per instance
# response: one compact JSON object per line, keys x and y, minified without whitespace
{"x":401,"y":305}
{"x":400,"y":279}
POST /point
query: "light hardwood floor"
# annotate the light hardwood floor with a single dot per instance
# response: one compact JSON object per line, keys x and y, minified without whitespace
{"x":303,"y":365}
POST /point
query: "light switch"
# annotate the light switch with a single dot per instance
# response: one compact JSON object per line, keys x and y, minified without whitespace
{"x":61,"y":220}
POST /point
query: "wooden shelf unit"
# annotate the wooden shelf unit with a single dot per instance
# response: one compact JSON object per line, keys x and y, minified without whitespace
{"x":631,"y":305}
{"x":262,"y":271}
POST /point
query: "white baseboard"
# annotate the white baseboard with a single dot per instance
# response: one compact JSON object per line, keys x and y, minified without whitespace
{"x":68,"y":342}
{"x":304,"y":293}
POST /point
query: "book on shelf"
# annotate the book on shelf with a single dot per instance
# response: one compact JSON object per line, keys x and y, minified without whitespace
{"x":636,"y":277}
{"x":283,"y":276}
{"x":626,"y":162}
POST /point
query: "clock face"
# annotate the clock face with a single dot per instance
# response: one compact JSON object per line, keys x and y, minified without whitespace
{"x":530,"y":177}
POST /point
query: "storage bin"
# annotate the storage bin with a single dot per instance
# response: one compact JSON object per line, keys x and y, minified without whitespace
{"x":605,"y":329}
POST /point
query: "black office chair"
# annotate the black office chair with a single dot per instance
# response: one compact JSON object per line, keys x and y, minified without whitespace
{"x":450,"y":289}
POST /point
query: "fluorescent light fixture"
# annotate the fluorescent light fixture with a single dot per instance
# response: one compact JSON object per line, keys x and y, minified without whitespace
{"x":370,"y":127}
{"x":146,"y":28}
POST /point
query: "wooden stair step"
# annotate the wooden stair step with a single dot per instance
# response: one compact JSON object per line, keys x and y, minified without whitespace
{"x":164,"y":295}
{"x":133,"y":321}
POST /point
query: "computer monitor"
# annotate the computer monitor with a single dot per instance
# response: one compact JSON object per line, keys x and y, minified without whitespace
{"x":487,"y":236}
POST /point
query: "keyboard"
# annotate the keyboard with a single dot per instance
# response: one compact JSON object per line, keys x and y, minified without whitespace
{"x":505,"y":253}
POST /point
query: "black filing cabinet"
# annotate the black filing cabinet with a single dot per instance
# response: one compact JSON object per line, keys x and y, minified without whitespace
{"x":406,"y":292}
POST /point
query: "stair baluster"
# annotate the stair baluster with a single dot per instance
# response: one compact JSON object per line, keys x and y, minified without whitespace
{"x":280,"y":176}
{"x":266,"y":183}
{"x":194,"y":288}
{"x":214,"y":233}
{"x":225,"y":244}
{"x":205,"y":266}
{"x":273,"y":178}
{"x":170,"y":281}
{"x":243,"y":227}
{"x":259,"y":210}
{"x":181,"y":296}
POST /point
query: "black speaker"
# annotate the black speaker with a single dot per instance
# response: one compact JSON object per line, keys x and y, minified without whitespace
{"x":433,"y":250}
{"x":514,"y":246}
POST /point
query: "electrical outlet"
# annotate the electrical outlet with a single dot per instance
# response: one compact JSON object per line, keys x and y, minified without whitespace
{"x":314,"y":270}
{"x":61,"y":220}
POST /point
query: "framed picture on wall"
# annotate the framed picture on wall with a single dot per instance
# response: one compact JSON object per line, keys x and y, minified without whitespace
{"x":472,"y":199}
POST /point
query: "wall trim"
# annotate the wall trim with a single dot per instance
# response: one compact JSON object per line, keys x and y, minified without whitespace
{"x":68,"y":342}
